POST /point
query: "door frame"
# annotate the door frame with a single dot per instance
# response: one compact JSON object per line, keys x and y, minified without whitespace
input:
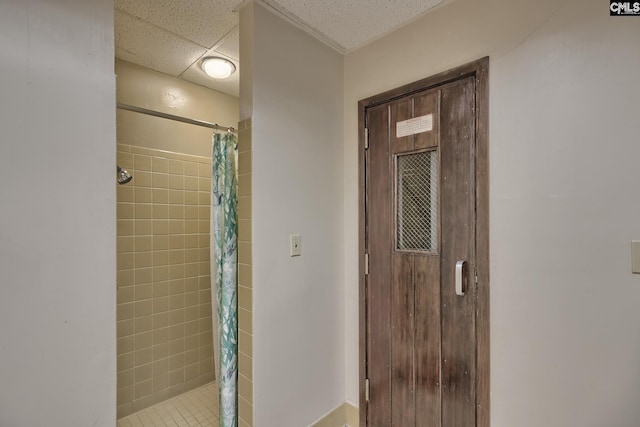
{"x":480,"y":70}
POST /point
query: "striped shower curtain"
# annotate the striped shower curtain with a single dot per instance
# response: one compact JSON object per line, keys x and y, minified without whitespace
{"x":224,"y":273}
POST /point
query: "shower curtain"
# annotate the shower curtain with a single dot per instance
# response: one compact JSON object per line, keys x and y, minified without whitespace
{"x":224,"y":273}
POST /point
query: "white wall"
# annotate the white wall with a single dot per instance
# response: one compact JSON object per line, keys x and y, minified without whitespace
{"x":57,"y":214}
{"x":297,"y":188}
{"x":563,"y":153}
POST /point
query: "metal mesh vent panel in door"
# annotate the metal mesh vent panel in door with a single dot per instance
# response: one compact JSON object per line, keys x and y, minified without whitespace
{"x":417,"y":204}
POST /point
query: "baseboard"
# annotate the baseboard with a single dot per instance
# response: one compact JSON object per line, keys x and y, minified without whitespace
{"x":344,"y":415}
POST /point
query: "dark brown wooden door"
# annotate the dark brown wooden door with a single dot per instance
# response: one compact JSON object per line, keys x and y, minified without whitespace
{"x":420,"y":221}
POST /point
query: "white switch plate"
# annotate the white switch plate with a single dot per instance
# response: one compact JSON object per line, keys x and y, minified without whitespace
{"x":295,"y":245}
{"x":635,"y":256}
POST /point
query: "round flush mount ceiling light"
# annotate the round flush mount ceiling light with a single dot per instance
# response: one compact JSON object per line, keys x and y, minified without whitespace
{"x":218,"y":68}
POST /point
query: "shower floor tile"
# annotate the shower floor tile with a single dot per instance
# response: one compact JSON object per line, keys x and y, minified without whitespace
{"x":198,"y":407}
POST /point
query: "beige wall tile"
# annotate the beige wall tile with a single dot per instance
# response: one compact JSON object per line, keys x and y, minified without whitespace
{"x":245,"y":412}
{"x":191,"y":356}
{"x":191,"y":197}
{"x":144,"y":259}
{"x":191,"y":226}
{"x":176,"y":226}
{"x":160,"y":195}
{"x":245,"y":275}
{"x":245,"y":388}
{"x":143,"y":291}
{"x":143,"y":389}
{"x":143,"y":324}
{"x":245,"y":298}
{"x":160,"y":304}
{"x":161,"y":352}
{"x":125,"y":294}
{"x":244,"y":162}
{"x":204,"y":184}
{"x":124,"y":210}
{"x":244,"y":230}
{"x":176,"y":197}
{"x":143,"y":227}
{"x":142,"y":179}
{"x":143,"y":340}
{"x":142,"y":211}
{"x":160,"y":227}
{"x":125,"y":394}
{"x":191,"y":240}
{"x":176,"y":167}
{"x":125,"y":260}
{"x":191,"y":183}
{"x":176,"y":271}
{"x":142,"y":195}
{"x":244,"y":142}
{"x":125,"y":277}
{"x":158,"y":164}
{"x":204,"y":170}
{"x":244,"y":185}
{"x":143,"y":275}
{"x":124,"y":193}
{"x":245,"y":363}
{"x":160,"y":180}
{"x":125,"y":160}
{"x":125,"y":227}
{"x":190,"y":168}
{"x":126,"y":344}
{"x":142,"y":163}
{"x":125,"y":378}
{"x":245,"y":320}
{"x":160,"y":258}
{"x":244,"y":253}
{"x":161,"y":320}
{"x":204,"y":198}
{"x":176,"y":212}
{"x":176,"y":182}
{"x":125,"y":311}
{"x":191,"y":270}
{"x":143,"y":243}
{"x":124,"y":328}
{"x":144,"y":356}
{"x":176,"y":377}
{"x":144,"y":308}
{"x":164,"y":299}
{"x":244,"y":207}
{"x":245,"y":342}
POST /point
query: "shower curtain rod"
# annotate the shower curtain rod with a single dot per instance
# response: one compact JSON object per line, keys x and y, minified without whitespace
{"x":174,"y":117}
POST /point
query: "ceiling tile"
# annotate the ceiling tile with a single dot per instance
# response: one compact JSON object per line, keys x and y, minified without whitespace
{"x":202,"y":21}
{"x":229,"y":46}
{"x":351,"y":24}
{"x":144,"y":44}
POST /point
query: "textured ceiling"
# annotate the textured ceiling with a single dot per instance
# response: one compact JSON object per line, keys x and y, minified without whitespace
{"x":172,"y":36}
{"x":350,"y":24}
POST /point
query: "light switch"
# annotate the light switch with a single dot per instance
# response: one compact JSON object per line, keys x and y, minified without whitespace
{"x":296,"y":245}
{"x":635,"y":256}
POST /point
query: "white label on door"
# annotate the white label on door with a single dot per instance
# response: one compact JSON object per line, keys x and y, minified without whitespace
{"x":415,"y":125}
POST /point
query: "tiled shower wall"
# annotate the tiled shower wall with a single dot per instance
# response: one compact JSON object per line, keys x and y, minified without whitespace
{"x":164,"y":298}
{"x":245,"y":276}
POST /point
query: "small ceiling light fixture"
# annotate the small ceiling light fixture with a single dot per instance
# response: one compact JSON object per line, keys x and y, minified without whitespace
{"x":218,"y":68}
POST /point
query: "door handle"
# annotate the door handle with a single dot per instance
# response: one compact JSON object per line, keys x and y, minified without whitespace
{"x":460,"y":277}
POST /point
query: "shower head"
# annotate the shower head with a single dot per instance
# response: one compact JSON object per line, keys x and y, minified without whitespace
{"x":123,"y":176}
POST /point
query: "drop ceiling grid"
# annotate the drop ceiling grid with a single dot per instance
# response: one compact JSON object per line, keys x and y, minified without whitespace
{"x":142,"y":43}
{"x":204,"y":22}
{"x":352,"y":24}
{"x":171,"y":36}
